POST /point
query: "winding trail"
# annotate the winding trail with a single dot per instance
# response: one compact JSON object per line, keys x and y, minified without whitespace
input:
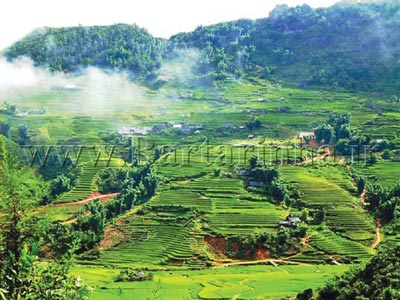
{"x":273,"y":262}
{"x":334,"y":261}
{"x":105,"y":198}
{"x":305,"y":241}
{"x":362,"y":197}
{"x":378,"y":237}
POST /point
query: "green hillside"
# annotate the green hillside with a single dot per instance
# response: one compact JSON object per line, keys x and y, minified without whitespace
{"x":117,"y":47}
{"x":351,"y":46}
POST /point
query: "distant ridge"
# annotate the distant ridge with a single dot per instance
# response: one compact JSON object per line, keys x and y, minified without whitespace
{"x":355,"y":47}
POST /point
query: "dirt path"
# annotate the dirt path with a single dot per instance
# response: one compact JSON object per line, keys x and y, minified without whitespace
{"x":334,"y":261}
{"x":378,"y":238}
{"x":74,"y":219}
{"x":273,"y":262}
{"x":104,"y":198}
{"x":69,"y":221}
{"x":305,"y":241}
{"x":362,"y":197}
{"x":320,"y":156}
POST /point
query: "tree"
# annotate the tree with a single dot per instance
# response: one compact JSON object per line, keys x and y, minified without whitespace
{"x":360,"y":184}
{"x":342,"y":147}
{"x":304,"y":215}
{"x":255,"y":162}
{"x":23,"y":134}
{"x":10,"y":109}
{"x":60,"y":185}
{"x":324,"y":133}
{"x":17,"y":192}
{"x":5,"y":128}
{"x":253,"y":124}
{"x":374,"y":195}
{"x":320,"y":216}
{"x":386,"y":154}
{"x":20,"y":235}
{"x":305,"y":295}
{"x":378,"y":279}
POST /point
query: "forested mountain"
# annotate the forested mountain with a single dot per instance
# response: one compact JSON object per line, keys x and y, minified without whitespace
{"x":348,"y":45}
{"x":118,"y":46}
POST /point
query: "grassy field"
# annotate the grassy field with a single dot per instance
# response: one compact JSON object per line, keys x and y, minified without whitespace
{"x":251,"y":282}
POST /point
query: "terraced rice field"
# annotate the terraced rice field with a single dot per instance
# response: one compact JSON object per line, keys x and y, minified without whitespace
{"x":172,"y":231}
{"x":384,"y":172}
{"x":86,"y":182}
{"x":84,"y":187}
{"x":316,"y":188}
{"x":329,"y":188}
{"x":152,"y":244}
{"x":332,"y":244}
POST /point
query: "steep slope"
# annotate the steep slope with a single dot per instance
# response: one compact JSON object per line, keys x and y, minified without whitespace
{"x":120,"y":46}
{"x":351,"y":46}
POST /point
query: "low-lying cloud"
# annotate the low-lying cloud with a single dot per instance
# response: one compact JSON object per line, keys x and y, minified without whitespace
{"x":90,"y":91}
{"x":21,"y":73}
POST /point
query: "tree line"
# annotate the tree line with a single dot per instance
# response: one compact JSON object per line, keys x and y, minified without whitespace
{"x":352,"y":46}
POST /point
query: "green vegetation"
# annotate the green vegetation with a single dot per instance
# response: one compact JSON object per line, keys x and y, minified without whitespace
{"x":248,"y":282}
{"x":377,"y":280}
{"x":302,"y":46}
{"x":113,"y":47}
{"x":267,"y":164}
{"x":21,"y":276}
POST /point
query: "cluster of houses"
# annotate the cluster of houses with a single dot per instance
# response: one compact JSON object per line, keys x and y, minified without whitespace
{"x":231,"y":126}
{"x":27,"y":113}
{"x":134,"y":130}
{"x":145,"y":130}
{"x":185,"y":128}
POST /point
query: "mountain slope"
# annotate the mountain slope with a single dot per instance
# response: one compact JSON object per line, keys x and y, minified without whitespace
{"x":118,"y":46}
{"x":352,"y":46}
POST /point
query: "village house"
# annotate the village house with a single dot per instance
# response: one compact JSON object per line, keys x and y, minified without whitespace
{"x":177,"y":126}
{"x":290,"y":221}
{"x":192,"y":128}
{"x":134,"y":130}
{"x":306,"y":136}
{"x":257,"y":184}
{"x":242,"y":172}
{"x":396,"y":157}
{"x":228,"y":126}
{"x":160,"y":127}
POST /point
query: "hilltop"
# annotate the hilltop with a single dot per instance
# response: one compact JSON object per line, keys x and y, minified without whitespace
{"x":349,"y":45}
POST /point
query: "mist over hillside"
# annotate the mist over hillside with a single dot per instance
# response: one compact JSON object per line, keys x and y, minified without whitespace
{"x":349,"y":45}
{"x":91,"y":91}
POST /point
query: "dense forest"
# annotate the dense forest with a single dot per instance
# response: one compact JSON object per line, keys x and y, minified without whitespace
{"x":346,"y":45}
{"x":379,"y":279}
{"x":120,"y":47}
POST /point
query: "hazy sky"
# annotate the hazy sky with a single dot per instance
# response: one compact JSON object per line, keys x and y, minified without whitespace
{"x":161,"y":17}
